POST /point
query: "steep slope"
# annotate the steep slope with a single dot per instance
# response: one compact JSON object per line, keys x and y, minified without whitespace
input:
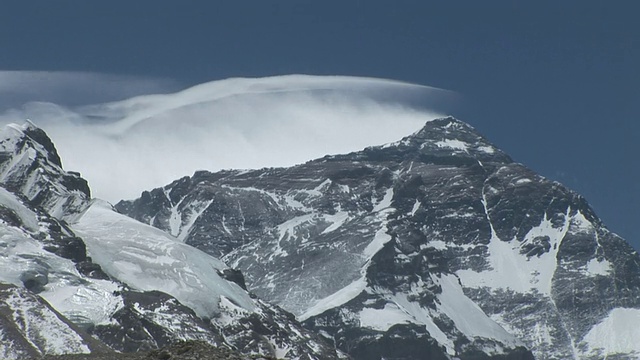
{"x":30,"y":165}
{"x":29,"y":327}
{"x":150,"y":260}
{"x":437,"y":244}
{"x":139,"y":288}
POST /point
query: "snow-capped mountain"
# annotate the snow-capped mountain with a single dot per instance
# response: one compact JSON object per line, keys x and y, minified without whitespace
{"x":78,"y":277}
{"x":437,"y":246}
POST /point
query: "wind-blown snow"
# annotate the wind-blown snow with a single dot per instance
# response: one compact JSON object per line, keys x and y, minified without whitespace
{"x":213,"y":126}
{"x":146,"y":258}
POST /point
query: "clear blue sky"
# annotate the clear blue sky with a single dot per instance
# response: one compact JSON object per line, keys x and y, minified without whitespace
{"x":555,"y":85}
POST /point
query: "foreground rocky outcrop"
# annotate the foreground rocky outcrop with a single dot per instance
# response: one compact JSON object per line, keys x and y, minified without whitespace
{"x":187,"y":350}
{"x":79,"y":277}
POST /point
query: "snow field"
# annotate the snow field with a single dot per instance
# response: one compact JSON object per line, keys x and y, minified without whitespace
{"x":146,"y":259}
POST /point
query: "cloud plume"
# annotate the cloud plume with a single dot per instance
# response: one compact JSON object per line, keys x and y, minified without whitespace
{"x":128,"y":146}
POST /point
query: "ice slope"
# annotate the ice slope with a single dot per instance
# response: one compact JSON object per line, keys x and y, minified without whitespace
{"x":146,"y":258}
{"x":619,"y":332}
{"x":22,"y":257}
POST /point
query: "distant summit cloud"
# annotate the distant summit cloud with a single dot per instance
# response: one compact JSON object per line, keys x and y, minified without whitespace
{"x":146,"y":141}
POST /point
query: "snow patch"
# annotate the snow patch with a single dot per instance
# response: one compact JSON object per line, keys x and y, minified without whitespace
{"x":618,"y":333}
{"x":27,"y":217}
{"x":511,"y":269}
{"x":381,"y":237}
{"x":336,"y":221}
{"x":336,"y":299}
{"x":385,"y":203}
{"x":420,"y":315}
{"x":416,"y":206}
{"x":466,"y":314}
{"x":580,"y":223}
{"x":487,"y":149}
{"x":453,"y":144}
{"x":196,"y":210}
{"x":597,"y":267}
{"x":383,"y":319}
{"x":288,"y":228}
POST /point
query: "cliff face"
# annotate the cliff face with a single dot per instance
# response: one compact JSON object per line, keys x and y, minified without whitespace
{"x":437,"y":244}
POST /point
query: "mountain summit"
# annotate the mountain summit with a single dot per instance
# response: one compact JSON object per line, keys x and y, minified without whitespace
{"x":438,"y":245}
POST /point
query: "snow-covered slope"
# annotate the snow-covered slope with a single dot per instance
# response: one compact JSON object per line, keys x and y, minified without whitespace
{"x":139,"y":288}
{"x":146,"y":258}
{"x":436,"y":244}
{"x":29,"y":327}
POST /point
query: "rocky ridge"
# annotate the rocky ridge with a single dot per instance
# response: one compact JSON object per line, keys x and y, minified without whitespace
{"x":47,"y":234}
{"x":437,"y":244}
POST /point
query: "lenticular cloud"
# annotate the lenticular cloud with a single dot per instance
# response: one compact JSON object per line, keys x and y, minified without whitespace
{"x":124,"y":147}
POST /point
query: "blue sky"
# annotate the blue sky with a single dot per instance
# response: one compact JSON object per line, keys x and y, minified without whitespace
{"x":553,"y":84}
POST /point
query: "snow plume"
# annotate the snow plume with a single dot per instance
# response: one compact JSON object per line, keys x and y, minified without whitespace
{"x":74,"y":88}
{"x":147,"y":141}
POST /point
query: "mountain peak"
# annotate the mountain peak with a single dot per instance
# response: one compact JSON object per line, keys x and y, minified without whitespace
{"x":30,"y":165}
{"x":31,"y":135}
{"x":449,"y":132}
{"x":438,"y":140}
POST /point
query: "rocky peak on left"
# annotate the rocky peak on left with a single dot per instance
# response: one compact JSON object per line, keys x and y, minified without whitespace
{"x":30,"y":165}
{"x":79,"y":277}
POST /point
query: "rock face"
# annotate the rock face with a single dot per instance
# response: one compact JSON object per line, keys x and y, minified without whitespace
{"x":78,"y":277}
{"x":30,"y":165}
{"x":437,"y":246}
{"x":29,"y":326}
